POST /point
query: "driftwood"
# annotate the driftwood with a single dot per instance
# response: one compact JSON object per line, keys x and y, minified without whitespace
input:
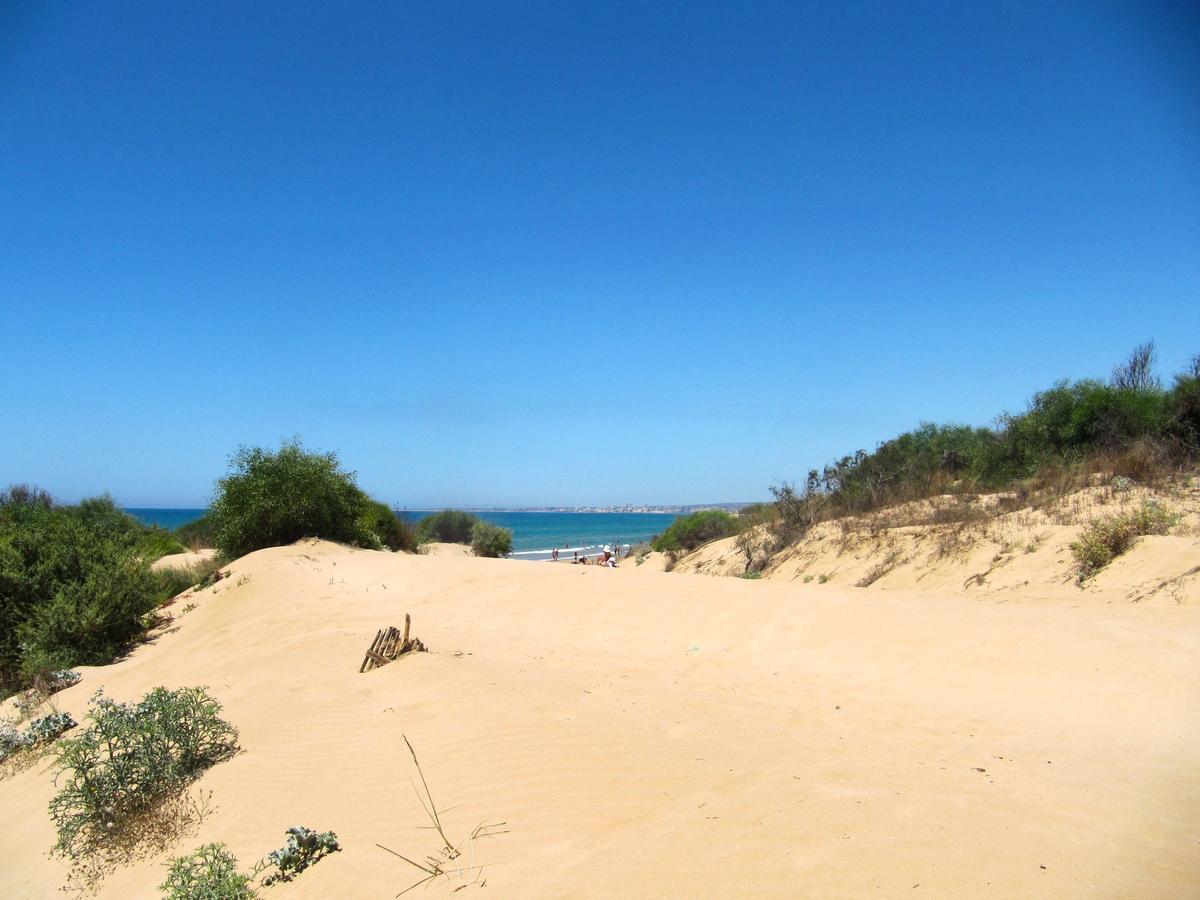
{"x":389,"y":644}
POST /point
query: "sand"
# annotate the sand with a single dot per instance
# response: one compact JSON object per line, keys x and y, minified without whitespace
{"x":1021,"y":556}
{"x":673,"y":735}
{"x":443,"y":548}
{"x":183,"y":560}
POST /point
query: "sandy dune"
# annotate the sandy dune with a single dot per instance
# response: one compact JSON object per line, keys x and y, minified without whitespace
{"x":669,"y":735}
{"x":183,"y":560}
{"x":443,"y":548}
{"x":1020,"y":556}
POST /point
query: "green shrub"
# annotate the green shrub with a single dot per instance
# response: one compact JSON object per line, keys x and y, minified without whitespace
{"x":158,"y":543}
{"x":174,"y":580}
{"x":130,"y":758}
{"x":75,"y":584}
{"x":207,"y":873}
{"x":199,"y":534}
{"x":757,"y":514}
{"x":1103,"y":540}
{"x":640,"y":552}
{"x":276,"y":498}
{"x":1184,"y":403}
{"x":490,"y":540}
{"x":391,"y":530}
{"x":93,"y":620}
{"x":450,"y":526}
{"x":1128,"y":425}
{"x":304,"y":848}
{"x":689,"y":532}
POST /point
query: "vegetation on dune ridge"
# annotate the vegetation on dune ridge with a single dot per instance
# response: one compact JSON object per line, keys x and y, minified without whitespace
{"x":454,"y":526}
{"x":490,"y":540}
{"x":272,"y":498}
{"x":211,"y":872}
{"x":692,"y":531}
{"x":1131,"y":425}
{"x":449,"y":526}
{"x":131,"y":758}
{"x":199,"y":534}
{"x":1103,"y":540}
{"x":76,"y":586}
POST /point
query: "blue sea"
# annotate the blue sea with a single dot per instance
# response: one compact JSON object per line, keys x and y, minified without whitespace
{"x":534,"y":533}
{"x":169,"y":519}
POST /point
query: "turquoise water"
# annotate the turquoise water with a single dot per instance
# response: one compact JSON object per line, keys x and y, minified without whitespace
{"x":532,"y":531}
{"x":541,"y":531}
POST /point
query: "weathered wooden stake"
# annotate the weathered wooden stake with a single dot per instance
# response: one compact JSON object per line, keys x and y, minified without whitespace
{"x":389,"y":645}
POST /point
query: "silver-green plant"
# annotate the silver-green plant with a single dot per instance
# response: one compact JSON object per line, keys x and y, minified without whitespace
{"x":304,"y":848}
{"x":207,"y":873}
{"x":131,"y":757}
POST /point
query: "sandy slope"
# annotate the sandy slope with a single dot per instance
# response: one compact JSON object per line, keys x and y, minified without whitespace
{"x":442,"y":548}
{"x":1020,"y":556}
{"x":183,"y":560}
{"x":676,"y":736}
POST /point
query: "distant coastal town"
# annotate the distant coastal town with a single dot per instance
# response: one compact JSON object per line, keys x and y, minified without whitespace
{"x":626,"y":508}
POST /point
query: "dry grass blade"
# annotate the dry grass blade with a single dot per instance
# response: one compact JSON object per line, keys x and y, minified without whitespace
{"x":437,"y":866}
{"x":431,"y":809}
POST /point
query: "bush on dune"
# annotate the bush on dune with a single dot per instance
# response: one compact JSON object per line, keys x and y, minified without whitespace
{"x":450,"y":526}
{"x":490,"y":540}
{"x":273,"y":498}
{"x":692,"y":531}
{"x":177,"y":579}
{"x":1130,"y":425}
{"x":131,"y":757}
{"x":385,"y":523}
{"x":1103,"y":540}
{"x":75,"y":584}
{"x":199,"y":534}
{"x":101,"y":515}
{"x":207,"y":873}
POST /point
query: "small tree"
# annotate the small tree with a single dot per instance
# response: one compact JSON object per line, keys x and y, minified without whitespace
{"x":689,"y":532}
{"x":490,"y":540}
{"x":451,"y":526}
{"x":1137,"y":372}
{"x":276,"y":498}
{"x":75,"y":583}
{"x":385,"y":523}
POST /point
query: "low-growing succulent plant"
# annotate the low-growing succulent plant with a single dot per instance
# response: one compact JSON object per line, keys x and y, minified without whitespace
{"x":11,"y":740}
{"x":303,"y":848}
{"x":65,"y":678}
{"x":47,"y":728}
{"x":27,"y":701}
{"x":39,"y":731}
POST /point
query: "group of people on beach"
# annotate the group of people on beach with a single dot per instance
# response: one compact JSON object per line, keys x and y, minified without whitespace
{"x":606,"y":557}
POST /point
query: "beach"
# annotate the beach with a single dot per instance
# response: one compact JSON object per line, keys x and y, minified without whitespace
{"x":652,"y":734}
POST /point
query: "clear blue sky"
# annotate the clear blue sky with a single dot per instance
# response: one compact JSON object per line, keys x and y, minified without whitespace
{"x":568,"y":252}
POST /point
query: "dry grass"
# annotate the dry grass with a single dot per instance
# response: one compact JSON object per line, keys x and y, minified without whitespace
{"x":889,"y":562}
{"x":448,"y":862}
{"x":150,"y":834}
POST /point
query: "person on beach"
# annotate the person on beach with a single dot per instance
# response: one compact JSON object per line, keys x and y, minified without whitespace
{"x":554,"y":555}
